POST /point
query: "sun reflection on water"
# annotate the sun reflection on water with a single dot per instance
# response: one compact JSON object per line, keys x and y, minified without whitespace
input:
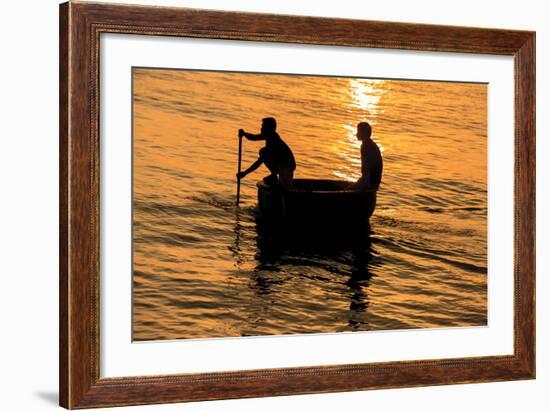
{"x":364,"y":97}
{"x":366,"y":94}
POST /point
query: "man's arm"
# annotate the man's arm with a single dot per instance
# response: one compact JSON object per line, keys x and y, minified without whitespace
{"x":250,"y":136}
{"x":250,"y":169}
{"x":364,"y":161}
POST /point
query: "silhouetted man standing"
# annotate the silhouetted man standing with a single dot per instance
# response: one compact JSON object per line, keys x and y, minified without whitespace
{"x":371,"y":159}
{"x":276,"y":155}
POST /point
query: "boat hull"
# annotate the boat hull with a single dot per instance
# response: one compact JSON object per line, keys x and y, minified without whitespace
{"x":326,"y":202}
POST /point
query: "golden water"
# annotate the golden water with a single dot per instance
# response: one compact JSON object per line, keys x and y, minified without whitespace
{"x":203,"y":268}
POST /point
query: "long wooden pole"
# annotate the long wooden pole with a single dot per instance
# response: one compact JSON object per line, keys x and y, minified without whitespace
{"x":239,"y":169}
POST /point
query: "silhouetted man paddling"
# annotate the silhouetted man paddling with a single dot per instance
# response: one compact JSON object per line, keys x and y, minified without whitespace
{"x":276,"y":155}
{"x":371,"y":160}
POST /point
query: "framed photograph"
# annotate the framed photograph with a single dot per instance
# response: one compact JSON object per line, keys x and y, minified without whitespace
{"x":259,"y":205}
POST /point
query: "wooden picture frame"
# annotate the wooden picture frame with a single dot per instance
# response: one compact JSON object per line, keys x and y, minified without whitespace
{"x":80,"y":27}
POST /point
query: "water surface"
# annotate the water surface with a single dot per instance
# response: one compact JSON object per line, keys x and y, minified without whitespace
{"x":203,"y":268}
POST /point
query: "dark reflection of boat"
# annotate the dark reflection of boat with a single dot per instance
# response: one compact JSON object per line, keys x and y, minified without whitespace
{"x":291,"y":269}
{"x":325,"y":202}
{"x":322,"y":259}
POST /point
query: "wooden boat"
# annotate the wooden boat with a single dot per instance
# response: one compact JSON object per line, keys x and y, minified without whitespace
{"x":326,"y":202}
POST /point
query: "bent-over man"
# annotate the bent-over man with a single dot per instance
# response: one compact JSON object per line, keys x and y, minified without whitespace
{"x":276,"y":155}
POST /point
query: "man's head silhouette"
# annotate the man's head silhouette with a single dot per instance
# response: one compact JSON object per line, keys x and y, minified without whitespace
{"x":269,"y":125}
{"x":364,"y":131}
